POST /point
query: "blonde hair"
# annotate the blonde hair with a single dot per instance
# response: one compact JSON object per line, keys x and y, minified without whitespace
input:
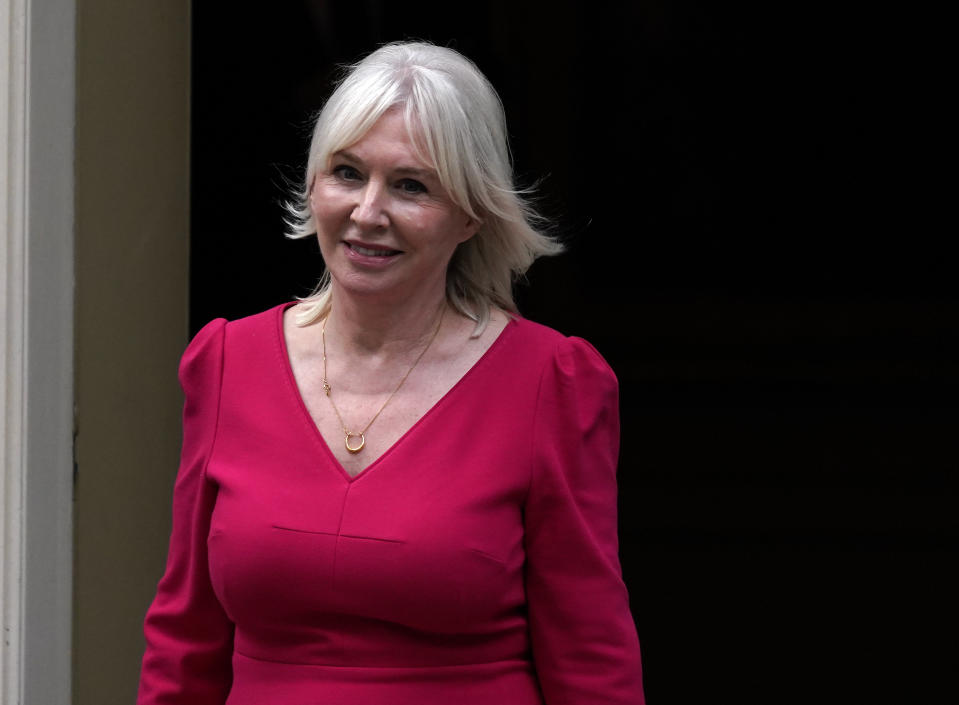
{"x":456,"y":121}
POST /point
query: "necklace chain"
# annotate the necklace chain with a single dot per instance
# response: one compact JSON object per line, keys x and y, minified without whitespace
{"x":348,"y":435}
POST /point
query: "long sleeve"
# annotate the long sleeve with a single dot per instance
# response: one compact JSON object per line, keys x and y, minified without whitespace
{"x":584,"y":641}
{"x":188,"y":636}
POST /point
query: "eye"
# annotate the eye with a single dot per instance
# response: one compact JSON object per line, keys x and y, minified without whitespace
{"x":411,"y":186}
{"x":346,"y":172}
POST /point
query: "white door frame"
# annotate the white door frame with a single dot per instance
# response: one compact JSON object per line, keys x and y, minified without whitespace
{"x":37,"y":114}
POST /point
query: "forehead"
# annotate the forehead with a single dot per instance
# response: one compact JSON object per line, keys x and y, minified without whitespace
{"x":389,"y":139}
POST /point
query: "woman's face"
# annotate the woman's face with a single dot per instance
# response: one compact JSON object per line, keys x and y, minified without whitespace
{"x":386,"y":226}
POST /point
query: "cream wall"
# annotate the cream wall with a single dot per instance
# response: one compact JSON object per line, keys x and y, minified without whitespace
{"x":132,"y":236}
{"x":36,"y":349}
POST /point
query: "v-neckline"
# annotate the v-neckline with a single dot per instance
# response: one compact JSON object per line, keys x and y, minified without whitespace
{"x":304,"y":411}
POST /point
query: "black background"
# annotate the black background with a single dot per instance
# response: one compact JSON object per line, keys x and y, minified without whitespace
{"x":753,"y":245}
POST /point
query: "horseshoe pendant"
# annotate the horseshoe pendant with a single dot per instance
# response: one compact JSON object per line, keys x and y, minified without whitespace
{"x":354,"y":449}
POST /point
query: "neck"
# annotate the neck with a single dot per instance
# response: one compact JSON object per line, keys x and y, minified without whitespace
{"x":368,"y":327}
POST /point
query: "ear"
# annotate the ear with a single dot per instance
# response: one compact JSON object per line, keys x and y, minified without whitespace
{"x":312,"y":185}
{"x":470,"y":228}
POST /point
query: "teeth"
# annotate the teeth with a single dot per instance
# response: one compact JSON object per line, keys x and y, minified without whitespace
{"x":372,"y":253}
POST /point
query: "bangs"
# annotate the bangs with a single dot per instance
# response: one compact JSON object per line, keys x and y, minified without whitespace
{"x":351,"y":117}
{"x":436,"y":135}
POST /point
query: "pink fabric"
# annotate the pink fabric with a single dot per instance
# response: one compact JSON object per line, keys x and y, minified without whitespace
{"x":473,"y":563}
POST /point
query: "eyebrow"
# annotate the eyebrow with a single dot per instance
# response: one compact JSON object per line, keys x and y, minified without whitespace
{"x":405,"y":170}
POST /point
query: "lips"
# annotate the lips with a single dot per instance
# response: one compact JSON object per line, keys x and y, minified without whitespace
{"x":372,"y":250}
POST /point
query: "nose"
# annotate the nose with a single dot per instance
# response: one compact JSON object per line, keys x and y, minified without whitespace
{"x":370,"y":209}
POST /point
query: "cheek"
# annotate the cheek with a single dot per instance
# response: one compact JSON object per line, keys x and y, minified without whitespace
{"x":441,"y":224}
{"x":325,"y":209}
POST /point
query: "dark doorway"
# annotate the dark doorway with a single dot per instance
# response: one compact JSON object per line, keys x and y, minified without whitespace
{"x":788,"y":376}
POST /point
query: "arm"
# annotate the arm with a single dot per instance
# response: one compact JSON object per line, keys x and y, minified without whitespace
{"x":584,"y":641}
{"x":189,"y":638}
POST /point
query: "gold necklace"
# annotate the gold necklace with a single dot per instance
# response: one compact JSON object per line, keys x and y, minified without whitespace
{"x":347,"y":433}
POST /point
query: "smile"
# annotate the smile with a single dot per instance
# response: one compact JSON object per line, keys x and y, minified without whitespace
{"x":371,"y":252}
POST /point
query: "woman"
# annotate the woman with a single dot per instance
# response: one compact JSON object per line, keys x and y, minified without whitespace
{"x":397,"y":491}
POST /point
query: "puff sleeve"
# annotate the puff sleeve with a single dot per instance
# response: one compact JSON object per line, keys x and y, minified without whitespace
{"x":189,"y":638}
{"x":584,"y":642}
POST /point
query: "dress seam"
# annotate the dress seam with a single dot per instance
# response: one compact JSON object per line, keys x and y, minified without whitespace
{"x":336,"y":540}
{"x":219,"y":403}
{"x":426,"y":666}
{"x":535,"y":423}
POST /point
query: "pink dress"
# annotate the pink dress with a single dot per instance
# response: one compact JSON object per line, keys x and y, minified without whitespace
{"x":474,"y":563}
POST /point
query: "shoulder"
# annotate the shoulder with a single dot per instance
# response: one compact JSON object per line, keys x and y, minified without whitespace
{"x":258,"y":325}
{"x":535,"y":334}
{"x":207,"y":348}
{"x":204,"y":353}
{"x":263,"y":323}
{"x":565,"y":358}
{"x":264,"y":320}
